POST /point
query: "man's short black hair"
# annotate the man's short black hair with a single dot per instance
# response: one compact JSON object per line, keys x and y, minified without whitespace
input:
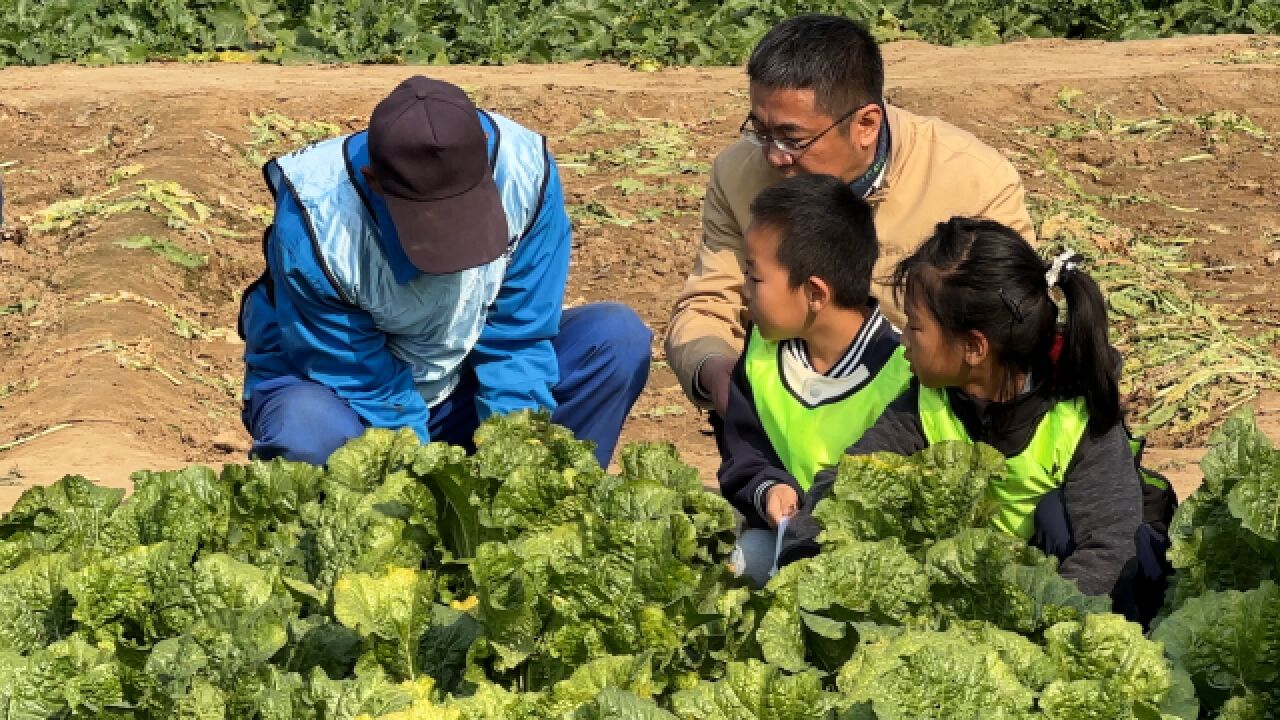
{"x":834,"y":56}
{"x":826,"y":230}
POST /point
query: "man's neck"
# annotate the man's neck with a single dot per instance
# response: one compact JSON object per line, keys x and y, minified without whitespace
{"x":857,"y":171}
{"x":864,"y":180}
{"x":830,"y":334}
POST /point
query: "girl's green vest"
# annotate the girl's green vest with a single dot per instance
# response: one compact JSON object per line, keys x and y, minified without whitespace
{"x":1029,"y":475}
{"x":809,"y":438}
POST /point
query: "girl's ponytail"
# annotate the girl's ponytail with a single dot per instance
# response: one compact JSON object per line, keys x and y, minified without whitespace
{"x":1087,"y":366}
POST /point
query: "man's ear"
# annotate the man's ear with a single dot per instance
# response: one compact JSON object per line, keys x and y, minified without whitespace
{"x":864,"y":126}
{"x":976,"y":348}
{"x":819,"y":293}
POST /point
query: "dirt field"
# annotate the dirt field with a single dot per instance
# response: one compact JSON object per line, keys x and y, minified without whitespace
{"x":117,"y":358}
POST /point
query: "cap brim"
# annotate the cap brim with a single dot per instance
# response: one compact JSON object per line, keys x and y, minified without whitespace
{"x":453,"y":234}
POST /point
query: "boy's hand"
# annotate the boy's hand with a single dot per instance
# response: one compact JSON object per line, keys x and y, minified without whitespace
{"x":780,"y":502}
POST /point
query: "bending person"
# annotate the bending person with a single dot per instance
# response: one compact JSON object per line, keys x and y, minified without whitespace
{"x":415,"y":277}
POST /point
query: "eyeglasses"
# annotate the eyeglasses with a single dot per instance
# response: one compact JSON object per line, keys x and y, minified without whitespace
{"x":793,"y":148}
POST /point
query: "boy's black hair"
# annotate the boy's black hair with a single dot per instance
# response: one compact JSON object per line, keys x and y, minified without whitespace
{"x":827,"y":232}
{"x":833,"y":56}
{"x":980,"y":275}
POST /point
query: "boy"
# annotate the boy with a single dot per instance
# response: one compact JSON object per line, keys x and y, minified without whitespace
{"x":820,"y":364}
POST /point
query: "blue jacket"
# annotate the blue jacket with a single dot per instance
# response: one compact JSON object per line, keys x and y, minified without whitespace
{"x":340,"y":304}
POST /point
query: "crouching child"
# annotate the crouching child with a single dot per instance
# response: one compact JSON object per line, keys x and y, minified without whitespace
{"x":820,"y":363}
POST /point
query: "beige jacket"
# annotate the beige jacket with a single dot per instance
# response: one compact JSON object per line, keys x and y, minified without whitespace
{"x":936,"y":171}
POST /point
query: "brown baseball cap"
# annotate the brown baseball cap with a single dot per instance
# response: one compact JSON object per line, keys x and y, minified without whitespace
{"x":430,"y":155}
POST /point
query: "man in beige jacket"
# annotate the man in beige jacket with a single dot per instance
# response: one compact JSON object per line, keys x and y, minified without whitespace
{"x":816,"y":92}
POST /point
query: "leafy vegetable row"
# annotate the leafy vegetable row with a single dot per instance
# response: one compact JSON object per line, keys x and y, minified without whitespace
{"x":697,"y":32}
{"x":409,"y":581}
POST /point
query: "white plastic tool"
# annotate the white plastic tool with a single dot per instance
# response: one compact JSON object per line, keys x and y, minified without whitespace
{"x":777,"y":547}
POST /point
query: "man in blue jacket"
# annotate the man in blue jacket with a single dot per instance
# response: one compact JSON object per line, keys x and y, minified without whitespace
{"x":415,"y":278}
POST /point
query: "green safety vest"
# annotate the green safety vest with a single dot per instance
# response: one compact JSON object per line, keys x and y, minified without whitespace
{"x":809,"y":438}
{"x":1029,"y":475}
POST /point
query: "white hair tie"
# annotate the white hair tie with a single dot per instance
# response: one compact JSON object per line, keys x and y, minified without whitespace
{"x":1063,"y":265}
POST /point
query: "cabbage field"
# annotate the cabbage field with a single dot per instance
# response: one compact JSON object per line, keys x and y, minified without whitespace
{"x":414,"y":581}
{"x":409,"y":581}
{"x":638,"y":32}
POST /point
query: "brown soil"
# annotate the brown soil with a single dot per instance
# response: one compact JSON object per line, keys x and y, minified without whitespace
{"x":113,"y":359}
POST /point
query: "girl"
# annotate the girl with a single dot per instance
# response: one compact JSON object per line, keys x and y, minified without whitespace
{"x":992,"y":365}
